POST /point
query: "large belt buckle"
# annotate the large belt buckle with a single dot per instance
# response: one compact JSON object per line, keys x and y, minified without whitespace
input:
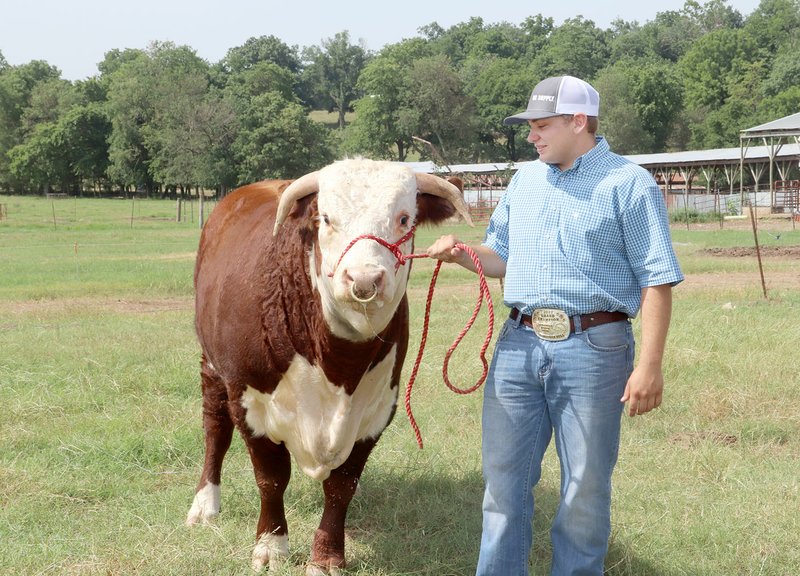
{"x":550,"y":324}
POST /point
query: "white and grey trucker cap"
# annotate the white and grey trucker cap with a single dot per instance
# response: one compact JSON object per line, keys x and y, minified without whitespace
{"x":559,"y":95}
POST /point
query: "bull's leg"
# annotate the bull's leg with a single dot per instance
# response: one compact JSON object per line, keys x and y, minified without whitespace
{"x":327,"y":551}
{"x":218,"y":428}
{"x":272,"y":468}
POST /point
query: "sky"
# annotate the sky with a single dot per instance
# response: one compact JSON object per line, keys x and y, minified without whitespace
{"x":74,"y":35}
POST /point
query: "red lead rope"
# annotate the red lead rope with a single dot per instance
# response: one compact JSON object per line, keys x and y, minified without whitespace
{"x":484,"y":293}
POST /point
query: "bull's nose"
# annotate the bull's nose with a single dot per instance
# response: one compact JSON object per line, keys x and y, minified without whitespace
{"x":365,"y":284}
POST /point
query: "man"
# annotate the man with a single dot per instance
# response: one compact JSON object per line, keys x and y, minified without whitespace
{"x":582,"y":239}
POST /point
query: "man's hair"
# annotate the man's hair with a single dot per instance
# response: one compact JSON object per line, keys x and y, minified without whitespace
{"x":591,"y":122}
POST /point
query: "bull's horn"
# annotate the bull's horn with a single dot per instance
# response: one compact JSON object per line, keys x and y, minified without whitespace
{"x":429,"y":184}
{"x":300,"y":188}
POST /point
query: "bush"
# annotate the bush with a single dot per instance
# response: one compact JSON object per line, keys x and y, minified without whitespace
{"x":693,"y":217}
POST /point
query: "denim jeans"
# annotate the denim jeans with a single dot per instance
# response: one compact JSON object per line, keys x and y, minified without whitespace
{"x":535,"y":388}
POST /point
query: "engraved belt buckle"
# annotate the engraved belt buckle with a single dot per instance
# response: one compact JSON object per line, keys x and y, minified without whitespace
{"x":550,"y":324}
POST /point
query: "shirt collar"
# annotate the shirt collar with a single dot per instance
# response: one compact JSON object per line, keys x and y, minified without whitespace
{"x":599,"y":149}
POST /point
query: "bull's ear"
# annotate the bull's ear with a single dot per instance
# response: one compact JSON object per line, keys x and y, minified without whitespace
{"x":450,"y":191}
{"x":457,"y":182}
{"x":300,"y":188}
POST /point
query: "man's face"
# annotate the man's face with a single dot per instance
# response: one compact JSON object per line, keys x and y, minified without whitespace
{"x":555,"y":139}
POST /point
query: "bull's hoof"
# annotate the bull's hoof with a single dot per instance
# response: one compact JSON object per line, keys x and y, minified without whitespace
{"x":205,"y":506}
{"x":270,"y":551}
{"x":317,"y":570}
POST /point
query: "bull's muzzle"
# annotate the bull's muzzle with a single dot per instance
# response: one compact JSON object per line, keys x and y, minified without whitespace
{"x":365,"y":284}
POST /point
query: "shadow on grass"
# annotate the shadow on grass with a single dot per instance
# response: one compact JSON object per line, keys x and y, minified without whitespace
{"x":423,"y":524}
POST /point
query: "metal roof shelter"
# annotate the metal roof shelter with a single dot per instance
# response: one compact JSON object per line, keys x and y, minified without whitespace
{"x":774,"y":136}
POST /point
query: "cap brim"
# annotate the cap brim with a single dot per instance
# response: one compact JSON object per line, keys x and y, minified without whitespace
{"x":523,"y":117}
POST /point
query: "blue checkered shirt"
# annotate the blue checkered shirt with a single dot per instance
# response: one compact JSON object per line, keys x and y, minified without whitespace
{"x":584,"y":240}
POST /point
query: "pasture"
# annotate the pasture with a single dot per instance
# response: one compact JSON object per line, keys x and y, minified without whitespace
{"x":101,"y":440}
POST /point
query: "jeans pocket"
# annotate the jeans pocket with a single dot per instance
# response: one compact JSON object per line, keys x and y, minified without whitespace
{"x":611,"y":337}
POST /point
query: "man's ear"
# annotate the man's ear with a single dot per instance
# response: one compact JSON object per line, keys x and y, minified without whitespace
{"x":580,"y":121}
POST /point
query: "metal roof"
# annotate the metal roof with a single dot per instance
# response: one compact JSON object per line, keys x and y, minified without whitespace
{"x":714,"y":157}
{"x":786,"y":126}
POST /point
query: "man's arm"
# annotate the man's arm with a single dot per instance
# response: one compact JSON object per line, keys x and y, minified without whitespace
{"x":645,"y":387}
{"x":445,"y":249}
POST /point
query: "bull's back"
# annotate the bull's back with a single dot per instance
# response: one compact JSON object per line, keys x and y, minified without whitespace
{"x":230,"y":275}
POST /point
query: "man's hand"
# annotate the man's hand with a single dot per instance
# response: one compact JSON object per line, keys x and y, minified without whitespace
{"x":644,"y":390}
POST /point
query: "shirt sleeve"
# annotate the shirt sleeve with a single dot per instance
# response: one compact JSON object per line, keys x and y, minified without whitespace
{"x":496,"y":236}
{"x":648,"y":242}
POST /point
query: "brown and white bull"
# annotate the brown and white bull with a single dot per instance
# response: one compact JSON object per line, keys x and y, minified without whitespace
{"x":303,"y":352}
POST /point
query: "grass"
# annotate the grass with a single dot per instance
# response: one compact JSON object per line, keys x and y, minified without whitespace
{"x":101,"y":445}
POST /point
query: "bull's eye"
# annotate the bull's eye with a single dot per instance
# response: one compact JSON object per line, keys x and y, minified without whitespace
{"x":326,"y":219}
{"x":404,"y":220}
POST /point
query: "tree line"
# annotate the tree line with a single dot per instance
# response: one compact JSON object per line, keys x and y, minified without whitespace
{"x":163,"y":120}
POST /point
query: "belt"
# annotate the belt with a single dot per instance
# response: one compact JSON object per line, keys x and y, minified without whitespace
{"x":587,"y":320}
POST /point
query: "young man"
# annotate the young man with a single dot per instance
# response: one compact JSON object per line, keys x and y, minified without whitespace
{"x":582,"y":239}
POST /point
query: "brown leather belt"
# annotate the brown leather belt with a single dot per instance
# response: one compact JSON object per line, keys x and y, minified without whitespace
{"x":587,"y":320}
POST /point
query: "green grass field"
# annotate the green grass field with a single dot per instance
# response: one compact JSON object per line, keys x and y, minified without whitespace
{"x":101,"y":442}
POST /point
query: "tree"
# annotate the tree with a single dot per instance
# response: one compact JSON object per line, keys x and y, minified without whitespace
{"x":336,"y":69}
{"x":260,"y":50}
{"x":17,"y":87}
{"x":500,"y":87}
{"x":441,"y":112}
{"x":710,"y":67}
{"x":278,"y":140}
{"x":773,"y":24}
{"x":640,"y":101}
{"x":377,"y":131}
{"x":151,"y":97}
{"x":577,"y":48}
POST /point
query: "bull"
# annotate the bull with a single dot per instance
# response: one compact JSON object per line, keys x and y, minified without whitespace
{"x":303,"y":334}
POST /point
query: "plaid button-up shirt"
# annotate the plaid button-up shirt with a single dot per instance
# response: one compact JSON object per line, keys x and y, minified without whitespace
{"x":583,"y":240}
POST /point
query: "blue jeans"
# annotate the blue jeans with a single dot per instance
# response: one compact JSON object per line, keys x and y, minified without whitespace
{"x":534,"y":388}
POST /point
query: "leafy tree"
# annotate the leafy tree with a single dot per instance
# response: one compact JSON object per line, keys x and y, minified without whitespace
{"x":278,"y":140}
{"x":710,"y":65}
{"x":441,"y":112}
{"x":502,"y":40}
{"x":537,"y":30}
{"x":500,"y":87}
{"x":115,"y":59}
{"x":577,"y":48}
{"x":84,"y":131}
{"x":456,"y":43}
{"x":260,"y":50}
{"x":773,"y":24}
{"x":149,"y":97}
{"x":377,"y":130}
{"x":335,"y":68}
{"x":640,"y":100}
{"x":17,"y":87}
{"x":37,"y":162}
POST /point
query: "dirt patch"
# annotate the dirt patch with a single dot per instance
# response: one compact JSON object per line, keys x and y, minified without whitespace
{"x":741,"y":280}
{"x":132,"y":305}
{"x":766,"y":251}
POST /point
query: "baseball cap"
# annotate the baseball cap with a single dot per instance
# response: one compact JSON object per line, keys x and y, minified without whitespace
{"x":559,"y":95}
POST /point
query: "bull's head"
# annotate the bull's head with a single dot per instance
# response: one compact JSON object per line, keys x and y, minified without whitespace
{"x":361,"y":292}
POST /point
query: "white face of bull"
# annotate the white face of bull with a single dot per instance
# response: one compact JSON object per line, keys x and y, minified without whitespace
{"x":361,"y":292}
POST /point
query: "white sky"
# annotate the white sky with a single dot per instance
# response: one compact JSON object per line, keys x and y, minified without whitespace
{"x":74,"y":35}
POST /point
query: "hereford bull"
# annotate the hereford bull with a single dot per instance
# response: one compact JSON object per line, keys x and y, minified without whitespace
{"x":302,"y":348}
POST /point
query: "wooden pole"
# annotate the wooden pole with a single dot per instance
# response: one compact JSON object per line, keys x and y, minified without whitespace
{"x":758,"y":251}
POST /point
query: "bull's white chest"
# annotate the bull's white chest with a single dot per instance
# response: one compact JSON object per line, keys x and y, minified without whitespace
{"x":318,"y":421}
